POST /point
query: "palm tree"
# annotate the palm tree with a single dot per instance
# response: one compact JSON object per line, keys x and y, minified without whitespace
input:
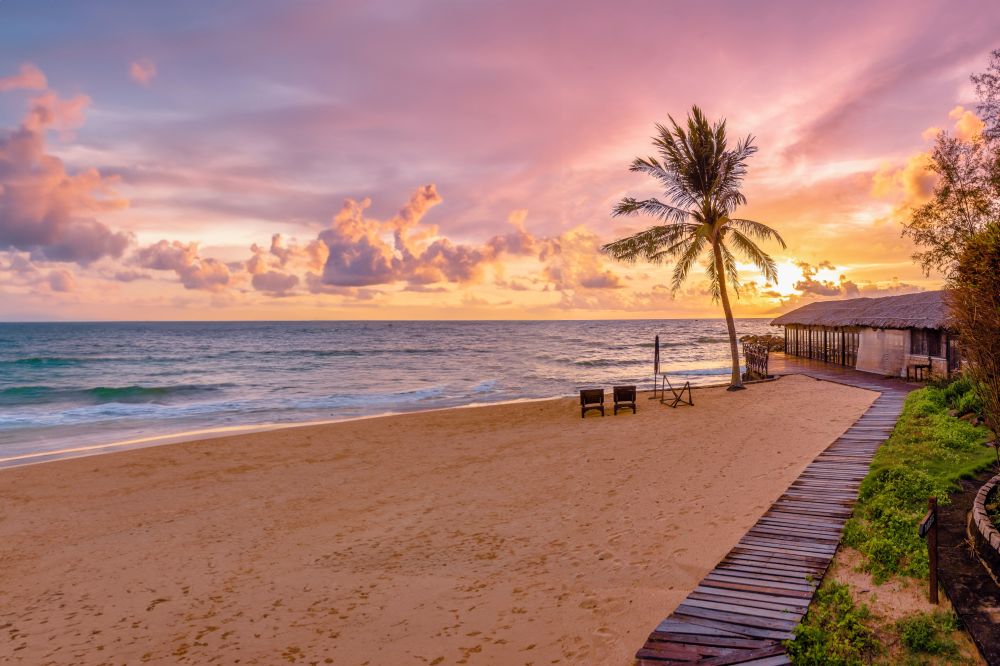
{"x":701,"y":179}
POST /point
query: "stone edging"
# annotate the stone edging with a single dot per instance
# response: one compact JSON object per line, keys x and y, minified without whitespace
{"x":984,"y":531}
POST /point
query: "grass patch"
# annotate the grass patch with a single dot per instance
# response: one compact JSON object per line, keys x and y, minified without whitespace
{"x":929,"y":633}
{"x":836,"y":631}
{"x":928,"y":452}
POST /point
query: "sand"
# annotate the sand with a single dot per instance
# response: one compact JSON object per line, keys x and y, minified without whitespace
{"x":509,"y":534}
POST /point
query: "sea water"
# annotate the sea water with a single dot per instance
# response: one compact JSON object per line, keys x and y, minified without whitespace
{"x":69,"y":386}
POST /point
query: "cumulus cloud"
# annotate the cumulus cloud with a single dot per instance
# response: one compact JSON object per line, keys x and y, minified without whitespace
{"x":605,"y":280}
{"x":129,"y":275}
{"x":809,"y":285}
{"x":44,"y":209}
{"x":28,"y":78}
{"x":912,"y":184}
{"x":364,"y":251}
{"x":15,"y":262}
{"x":968,"y":126}
{"x":270,"y":267}
{"x":194,"y":271}
{"x":142,"y":71}
{"x":275,"y":282}
{"x":62,"y":280}
{"x":812,"y":289}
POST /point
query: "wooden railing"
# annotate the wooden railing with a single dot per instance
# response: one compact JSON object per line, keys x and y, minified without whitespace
{"x":756,"y":361}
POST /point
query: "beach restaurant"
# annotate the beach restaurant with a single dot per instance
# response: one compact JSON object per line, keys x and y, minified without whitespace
{"x":904,"y":336}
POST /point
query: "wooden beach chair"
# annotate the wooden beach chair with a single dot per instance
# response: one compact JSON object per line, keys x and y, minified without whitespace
{"x":678,"y":393}
{"x":624,"y":398}
{"x":591,"y":399}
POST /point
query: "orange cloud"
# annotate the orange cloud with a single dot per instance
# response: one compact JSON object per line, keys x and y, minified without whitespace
{"x":968,"y":126}
{"x":911,"y":184}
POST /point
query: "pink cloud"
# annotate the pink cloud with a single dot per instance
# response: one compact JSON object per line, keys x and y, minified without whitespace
{"x":49,"y":110}
{"x":44,"y":209}
{"x":360,"y":255}
{"x":275,"y":283}
{"x":142,"y":71}
{"x":28,"y":78}
{"x":194,"y":271}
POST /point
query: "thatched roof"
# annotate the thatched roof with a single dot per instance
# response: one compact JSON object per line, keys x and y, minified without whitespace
{"x":926,"y":309}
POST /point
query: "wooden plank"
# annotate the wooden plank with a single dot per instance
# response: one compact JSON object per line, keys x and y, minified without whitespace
{"x":718,"y":641}
{"x":738,"y":594}
{"x":747,"y":657}
{"x":753,"y":603}
{"x":758,"y":588}
{"x":752,"y":611}
{"x":685,"y":627}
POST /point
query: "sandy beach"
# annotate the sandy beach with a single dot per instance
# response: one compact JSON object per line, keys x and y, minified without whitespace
{"x":509,"y":534}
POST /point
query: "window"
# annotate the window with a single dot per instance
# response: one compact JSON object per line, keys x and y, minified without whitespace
{"x":925,"y":342}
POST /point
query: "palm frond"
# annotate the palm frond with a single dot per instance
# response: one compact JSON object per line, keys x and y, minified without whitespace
{"x":687,"y":258}
{"x":729,"y":264}
{"x":713,"y":280}
{"x":754,"y":254}
{"x":652,"y":207}
{"x":649,"y":244}
{"x":757,"y":230}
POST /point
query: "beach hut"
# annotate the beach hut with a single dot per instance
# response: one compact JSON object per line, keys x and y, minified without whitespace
{"x":904,"y":336}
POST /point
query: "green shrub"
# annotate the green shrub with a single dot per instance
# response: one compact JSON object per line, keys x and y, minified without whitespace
{"x":835,"y":631}
{"x":929,"y":633}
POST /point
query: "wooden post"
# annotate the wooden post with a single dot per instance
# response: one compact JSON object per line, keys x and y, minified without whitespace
{"x":932,"y":549}
{"x":929,"y":529}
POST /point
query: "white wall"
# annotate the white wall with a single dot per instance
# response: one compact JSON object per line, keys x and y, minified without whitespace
{"x":882,"y":351}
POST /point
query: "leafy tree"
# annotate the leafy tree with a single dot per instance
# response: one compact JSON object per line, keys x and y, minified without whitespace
{"x":701,"y":177}
{"x":967,"y":193}
{"x":964,"y":202}
{"x":987,"y":86}
{"x":975,"y":306}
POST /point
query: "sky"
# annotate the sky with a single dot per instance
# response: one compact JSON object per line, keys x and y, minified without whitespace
{"x":453,"y":160}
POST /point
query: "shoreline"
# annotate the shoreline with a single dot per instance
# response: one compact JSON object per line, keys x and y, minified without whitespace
{"x":203,"y":434}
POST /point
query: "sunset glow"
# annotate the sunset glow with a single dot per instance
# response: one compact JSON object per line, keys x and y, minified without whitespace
{"x":433,"y":160}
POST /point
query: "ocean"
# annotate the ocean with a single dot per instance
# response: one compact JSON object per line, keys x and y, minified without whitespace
{"x":72,"y":388}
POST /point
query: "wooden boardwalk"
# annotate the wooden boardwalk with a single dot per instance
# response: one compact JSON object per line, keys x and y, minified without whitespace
{"x":744,"y":608}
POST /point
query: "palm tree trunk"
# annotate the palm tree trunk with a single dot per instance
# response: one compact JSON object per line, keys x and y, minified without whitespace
{"x":736,"y":382}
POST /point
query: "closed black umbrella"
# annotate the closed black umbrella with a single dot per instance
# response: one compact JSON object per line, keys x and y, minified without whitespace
{"x":656,"y":363}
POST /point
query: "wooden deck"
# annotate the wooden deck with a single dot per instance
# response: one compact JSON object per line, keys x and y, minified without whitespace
{"x":744,"y":608}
